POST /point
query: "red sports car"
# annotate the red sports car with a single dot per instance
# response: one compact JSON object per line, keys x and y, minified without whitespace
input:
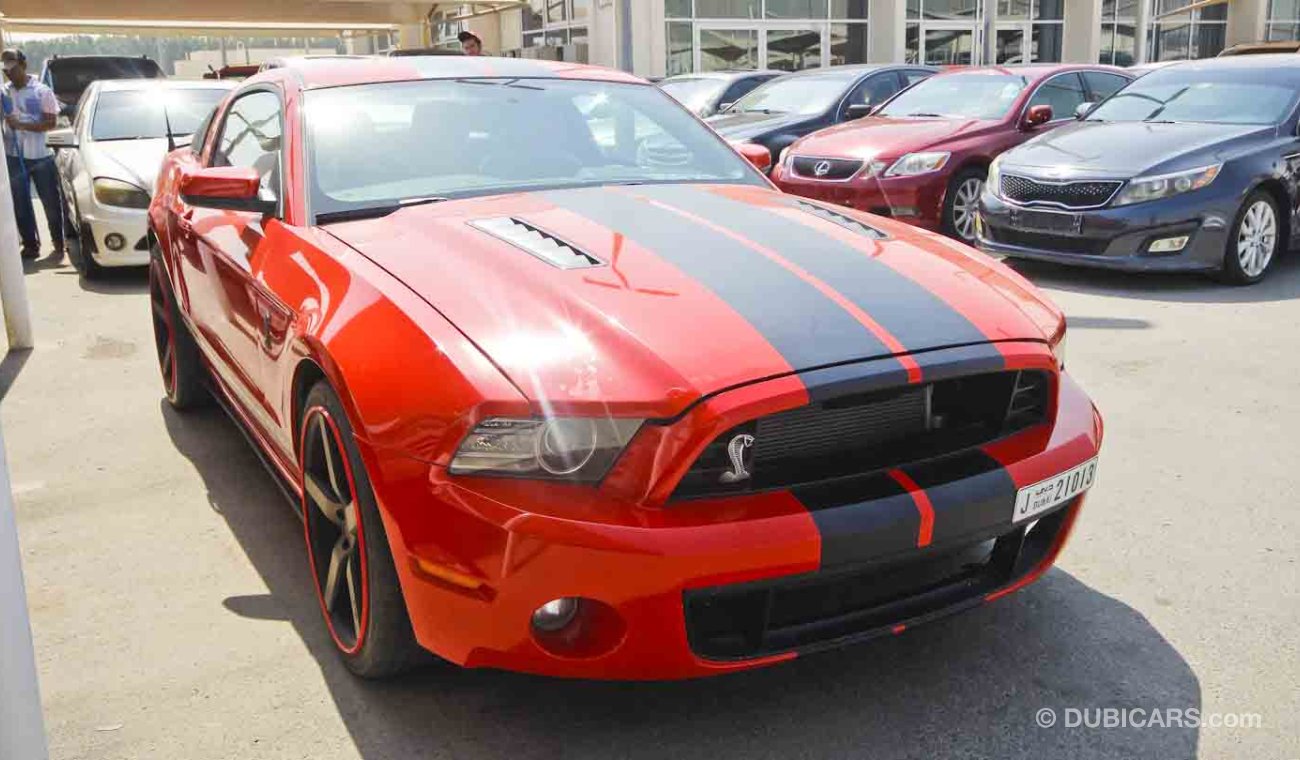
{"x":923,"y":156}
{"x":561,"y":384}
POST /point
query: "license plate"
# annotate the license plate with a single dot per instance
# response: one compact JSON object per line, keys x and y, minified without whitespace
{"x":1046,"y":221}
{"x":1045,"y":494}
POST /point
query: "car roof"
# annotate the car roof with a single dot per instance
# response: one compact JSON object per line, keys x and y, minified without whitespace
{"x":117,"y":85}
{"x":342,"y":71}
{"x":729,"y":74}
{"x":1033,"y":71}
{"x":1274,"y":63}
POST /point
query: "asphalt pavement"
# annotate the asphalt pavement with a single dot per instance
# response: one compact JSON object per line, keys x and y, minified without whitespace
{"x":174,"y":618}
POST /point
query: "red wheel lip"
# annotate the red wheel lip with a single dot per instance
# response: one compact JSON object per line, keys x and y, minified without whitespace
{"x":306,"y":527}
{"x":169,"y":378}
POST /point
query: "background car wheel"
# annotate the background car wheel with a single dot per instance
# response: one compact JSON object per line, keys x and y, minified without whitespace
{"x":351,"y":563}
{"x":960,"y":203}
{"x":178,"y":355}
{"x":1253,"y":241}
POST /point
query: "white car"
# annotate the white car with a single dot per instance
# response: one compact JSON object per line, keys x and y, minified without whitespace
{"x":108,"y":161}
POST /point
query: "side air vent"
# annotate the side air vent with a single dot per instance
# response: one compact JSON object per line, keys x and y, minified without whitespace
{"x":538,"y":242}
{"x":843,"y":220}
{"x":1028,"y":404}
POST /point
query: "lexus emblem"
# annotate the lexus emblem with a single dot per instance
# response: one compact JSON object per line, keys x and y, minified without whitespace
{"x":739,"y":449}
{"x":822,"y":168}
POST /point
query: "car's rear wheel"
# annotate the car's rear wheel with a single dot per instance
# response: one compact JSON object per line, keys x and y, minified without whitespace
{"x":1254,"y":240}
{"x":351,"y":563}
{"x":961,"y":203}
{"x":178,"y":354}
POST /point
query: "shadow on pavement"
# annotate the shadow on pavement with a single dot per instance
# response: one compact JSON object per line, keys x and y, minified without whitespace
{"x":114,"y":281}
{"x":1282,"y":283}
{"x":966,"y":687}
{"x":10,"y":366}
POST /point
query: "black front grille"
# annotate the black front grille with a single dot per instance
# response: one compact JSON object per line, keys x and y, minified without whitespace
{"x":823,"y":609}
{"x":832,"y":168}
{"x":1084,"y":194}
{"x":867,"y":432}
{"x":1047,"y":241}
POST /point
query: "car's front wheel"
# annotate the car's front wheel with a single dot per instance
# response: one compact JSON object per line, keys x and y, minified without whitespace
{"x":84,"y":260}
{"x":961,"y":203}
{"x":351,"y":563}
{"x":1253,"y":241}
{"x":178,"y":354}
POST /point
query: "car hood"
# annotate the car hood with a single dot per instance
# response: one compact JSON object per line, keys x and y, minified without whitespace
{"x":886,"y":136}
{"x":1127,"y":149}
{"x":688,"y":289}
{"x":134,"y":161}
{"x":746,"y":126}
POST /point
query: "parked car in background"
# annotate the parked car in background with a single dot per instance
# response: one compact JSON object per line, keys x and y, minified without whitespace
{"x":781,"y":111}
{"x":70,"y":75}
{"x":1262,"y":48}
{"x":458,"y":341}
{"x":108,"y":161}
{"x":1142,"y":69}
{"x":922,"y":157}
{"x":235,"y":72}
{"x":1192,"y":167}
{"x":710,"y":92}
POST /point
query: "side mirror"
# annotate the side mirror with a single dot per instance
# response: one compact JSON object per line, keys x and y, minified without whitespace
{"x":757,"y":155}
{"x":1037,"y":115}
{"x":1082,"y":110}
{"x":235,"y":188}
{"x":858,"y":110}
{"x":61,"y":138}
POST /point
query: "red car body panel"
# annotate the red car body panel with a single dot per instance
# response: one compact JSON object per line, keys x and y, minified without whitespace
{"x":426,"y":326}
{"x":972,"y":143}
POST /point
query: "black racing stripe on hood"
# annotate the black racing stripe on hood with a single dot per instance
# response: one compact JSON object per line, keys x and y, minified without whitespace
{"x":970,"y":492}
{"x":861,"y":519}
{"x":918,"y":318}
{"x":801,"y":323}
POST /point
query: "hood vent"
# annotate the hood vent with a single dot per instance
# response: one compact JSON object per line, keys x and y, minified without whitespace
{"x":847,"y":222}
{"x":538,"y":242}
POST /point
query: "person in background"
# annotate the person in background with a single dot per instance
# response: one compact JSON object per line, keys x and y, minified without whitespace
{"x":470,"y":44}
{"x":30,"y":110}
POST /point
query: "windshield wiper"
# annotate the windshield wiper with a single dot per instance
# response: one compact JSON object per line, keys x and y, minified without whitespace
{"x":923,"y":113}
{"x":374,"y":212}
{"x":1158,"y":121}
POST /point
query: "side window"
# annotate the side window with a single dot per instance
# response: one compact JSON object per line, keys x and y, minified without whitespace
{"x":1102,"y":85}
{"x":1063,"y":93}
{"x":250,"y":136}
{"x":200,"y":137}
{"x":740,"y":88}
{"x":873,"y":90}
{"x":913,"y":76}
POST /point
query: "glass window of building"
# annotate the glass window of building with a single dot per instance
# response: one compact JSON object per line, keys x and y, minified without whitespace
{"x":444,"y":29}
{"x":1118,"y":32}
{"x":1283,"y":20}
{"x":1029,"y":31}
{"x":789,"y":35}
{"x":1179,"y":31}
{"x":555,"y":22}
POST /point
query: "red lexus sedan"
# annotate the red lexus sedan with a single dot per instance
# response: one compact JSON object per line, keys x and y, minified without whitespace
{"x":923,"y":156}
{"x":596,"y":400}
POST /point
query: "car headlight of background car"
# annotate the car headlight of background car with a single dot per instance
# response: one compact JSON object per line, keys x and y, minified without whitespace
{"x":918,"y":163}
{"x":1141,"y":189}
{"x":115,"y":192}
{"x":558,"y":448}
{"x":993,"y":182}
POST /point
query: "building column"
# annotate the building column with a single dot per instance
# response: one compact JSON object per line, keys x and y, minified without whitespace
{"x":1141,"y":32}
{"x":887,"y":29}
{"x":988,"y":54}
{"x":1082,"y":31}
{"x":358,"y":44}
{"x":1247,"y":21}
{"x":410,"y":36}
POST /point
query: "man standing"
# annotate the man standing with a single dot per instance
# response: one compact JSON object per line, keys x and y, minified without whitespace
{"x":30,"y":110}
{"x":470,"y":44}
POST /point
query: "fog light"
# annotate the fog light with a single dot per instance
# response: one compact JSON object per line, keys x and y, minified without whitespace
{"x":114,"y":241}
{"x":1168,"y":245}
{"x":555,"y":614}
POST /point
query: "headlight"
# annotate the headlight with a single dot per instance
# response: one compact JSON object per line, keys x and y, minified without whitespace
{"x":559,"y":448}
{"x":1058,"y":347}
{"x":782,"y":156}
{"x":115,"y":192}
{"x":1141,"y":189}
{"x":917,"y":163}
{"x":993,"y":182}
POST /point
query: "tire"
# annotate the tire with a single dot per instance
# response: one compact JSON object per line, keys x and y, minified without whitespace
{"x":178,"y":354}
{"x":960,"y":203}
{"x":84,"y":261}
{"x":1254,"y":240}
{"x":345,"y":538}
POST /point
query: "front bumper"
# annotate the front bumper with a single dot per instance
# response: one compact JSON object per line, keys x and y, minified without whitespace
{"x":1119,"y":237}
{"x":916,"y":200}
{"x":131,"y":224}
{"x":476,"y":556}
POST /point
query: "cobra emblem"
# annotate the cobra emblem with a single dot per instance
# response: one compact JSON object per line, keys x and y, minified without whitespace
{"x":822,"y":168}
{"x":736,"y":449}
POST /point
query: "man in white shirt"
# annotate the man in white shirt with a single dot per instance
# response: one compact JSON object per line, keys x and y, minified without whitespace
{"x":30,"y":110}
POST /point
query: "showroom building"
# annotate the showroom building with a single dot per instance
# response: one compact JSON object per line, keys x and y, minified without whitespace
{"x":669,"y":37}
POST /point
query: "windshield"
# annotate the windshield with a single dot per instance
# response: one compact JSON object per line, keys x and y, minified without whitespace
{"x":70,"y":77}
{"x":1223,"y":97}
{"x":138,"y":114}
{"x":972,"y":95}
{"x":693,"y":92}
{"x":405,"y":141}
{"x":803,"y":94}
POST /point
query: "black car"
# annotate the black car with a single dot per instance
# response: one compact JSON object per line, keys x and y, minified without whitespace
{"x":70,"y":75}
{"x":789,"y":107}
{"x":708,"y":92}
{"x":1190,"y":168}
